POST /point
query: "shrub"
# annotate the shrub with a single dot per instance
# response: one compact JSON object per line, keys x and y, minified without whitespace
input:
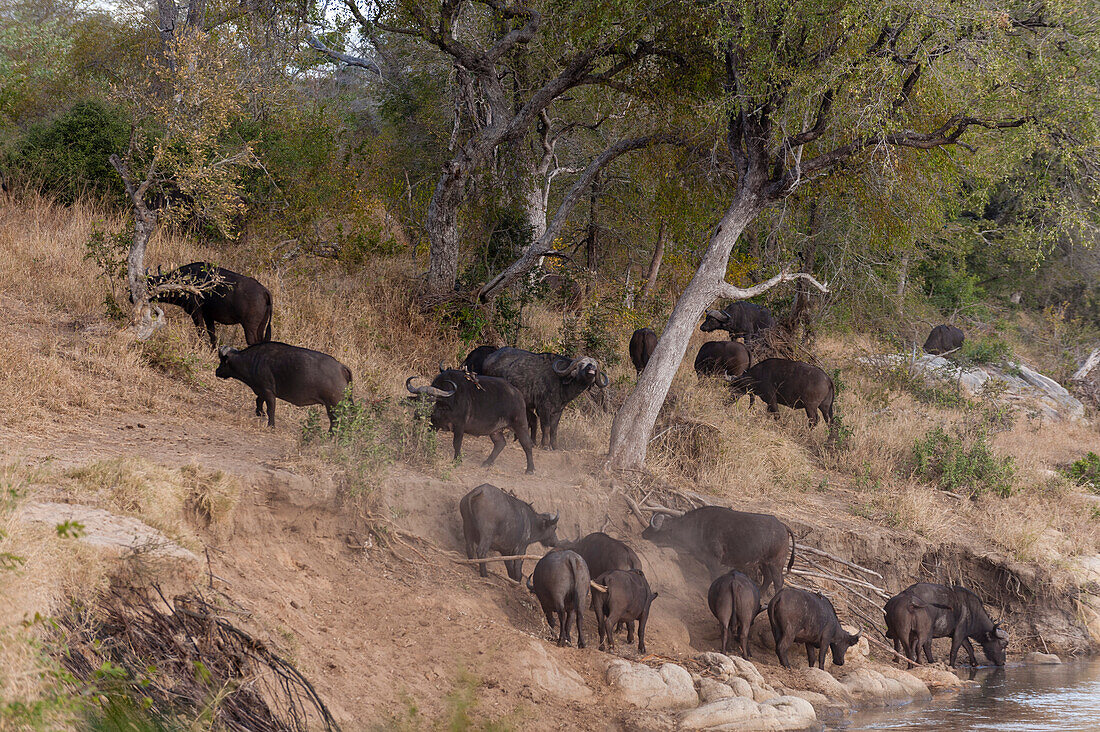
{"x":963,"y":462}
{"x":987,"y":350}
{"x":68,"y":156}
{"x":1085,"y":472}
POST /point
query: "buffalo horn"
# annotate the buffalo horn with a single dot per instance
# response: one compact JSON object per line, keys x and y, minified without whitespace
{"x":718,"y":315}
{"x":441,"y":368}
{"x":602,"y":380}
{"x":429,"y":390}
{"x":1000,"y":633}
{"x":562,"y":371}
{"x":224,"y":351}
{"x":554,"y":518}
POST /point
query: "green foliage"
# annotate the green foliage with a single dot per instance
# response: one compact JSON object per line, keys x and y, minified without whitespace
{"x":170,"y":355}
{"x":108,"y":251}
{"x":595,"y":333}
{"x":68,"y":155}
{"x":70,"y":529}
{"x":963,"y":461}
{"x":986,"y":350}
{"x":1085,"y":472}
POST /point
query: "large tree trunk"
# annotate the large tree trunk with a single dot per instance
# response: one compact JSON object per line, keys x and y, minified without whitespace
{"x":633,"y":425}
{"x":654,"y":265}
{"x":442,"y":225}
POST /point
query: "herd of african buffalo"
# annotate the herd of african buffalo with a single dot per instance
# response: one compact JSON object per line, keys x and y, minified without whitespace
{"x":498,"y":389}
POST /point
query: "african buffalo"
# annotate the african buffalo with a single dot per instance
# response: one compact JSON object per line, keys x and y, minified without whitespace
{"x":560,"y":582}
{"x":642,"y":344}
{"x":492,"y":520}
{"x":722,"y":358}
{"x":627,"y":600}
{"x":734,"y":600}
{"x":909,"y":623}
{"x":603,"y":553}
{"x":724,"y":539}
{"x":235,"y":298}
{"x":959,"y":614}
{"x":790,"y":383}
{"x":944,"y":338}
{"x":466,"y":403}
{"x":741,"y":319}
{"x":798,"y":616}
{"x":296,"y":375}
{"x":475,"y":359}
{"x":547,"y":381}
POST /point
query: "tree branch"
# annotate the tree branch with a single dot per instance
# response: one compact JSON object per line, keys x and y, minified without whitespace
{"x":348,"y":59}
{"x":819,"y":123}
{"x":733,"y":292}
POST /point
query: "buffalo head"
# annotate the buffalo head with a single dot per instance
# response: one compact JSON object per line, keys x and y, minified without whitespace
{"x":545,"y":530}
{"x":994,"y":645}
{"x":840,"y":646}
{"x":657,"y":532}
{"x":224,"y":370}
{"x":715,"y":319}
{"x":580,"y":369}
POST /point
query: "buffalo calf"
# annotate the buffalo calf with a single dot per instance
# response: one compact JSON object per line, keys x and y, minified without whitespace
{"x":492,"y":520}
{"x":561,"y":582}
{"x":296,"y":375}
{"x":627,"y":600}
{"x":909,"y":624}
{"x":798,"y":616}
{"x":722,"y":358}
{"x":734,"y":600}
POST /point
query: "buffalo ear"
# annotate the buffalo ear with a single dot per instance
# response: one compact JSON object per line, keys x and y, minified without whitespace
{"x":657,"y":520}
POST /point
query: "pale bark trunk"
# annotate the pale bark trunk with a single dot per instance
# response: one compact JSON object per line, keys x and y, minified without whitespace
{"x":903,"y":275}
{"x":442,"y":226}
{"x":633,"y":425}
{"x":654,"y":265}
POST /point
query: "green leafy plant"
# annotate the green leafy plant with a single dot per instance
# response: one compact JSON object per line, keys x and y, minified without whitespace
{"x":963,"y":461}
{"x":985,"y":350}
{"x":1085,"y":472}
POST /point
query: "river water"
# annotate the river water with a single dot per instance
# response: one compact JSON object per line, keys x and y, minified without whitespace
{"x":1032,"y":698}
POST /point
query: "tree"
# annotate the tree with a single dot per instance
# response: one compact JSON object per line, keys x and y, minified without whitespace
{"x":178,"y":165}
{"x":511,"y":62}
{"x":813,"y":90}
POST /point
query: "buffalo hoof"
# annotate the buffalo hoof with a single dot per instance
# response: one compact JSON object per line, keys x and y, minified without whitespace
{"x":529,"y":471}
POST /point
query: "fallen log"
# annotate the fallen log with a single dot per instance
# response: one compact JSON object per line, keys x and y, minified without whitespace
{"x":835,"y":558}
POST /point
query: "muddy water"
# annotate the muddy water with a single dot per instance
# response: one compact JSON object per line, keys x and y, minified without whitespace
{"x":1033,"y":698}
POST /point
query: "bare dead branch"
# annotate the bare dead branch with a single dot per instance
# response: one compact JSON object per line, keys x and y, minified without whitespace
{"x":356,"y":61}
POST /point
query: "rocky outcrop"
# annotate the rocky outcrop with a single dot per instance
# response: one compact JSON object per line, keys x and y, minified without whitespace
{"x":1042,"y":659}
{"x":1016,"y":384}
{"x":669,"y":687}
{"x":105,"y":529}
{"x":539,"y":670}
{"x":739,"y":713}
{"x":869,"y":687}
{"x":740,"y":675}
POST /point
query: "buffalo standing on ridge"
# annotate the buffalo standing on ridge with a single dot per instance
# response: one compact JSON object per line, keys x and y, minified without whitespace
{"x":740,"y":319}
{"x":642,"y":344}
{"x":233,"y":299}
{"x":791,"y":383}
{"x":722,"y":358}
{"x":477,"y":405}
{"x":603,"y":553}
{"x":957,"y":613}
{"x":296,"y":375}
{"x":734,"y":601}
{"x":798,"y":616}
{"x":492,"y":520}
{"x":560,"y":581}
{"x":723,"y":539}
{"x":943,"y":339}
{"x":547,"y":382}
{"x":909,"y":623}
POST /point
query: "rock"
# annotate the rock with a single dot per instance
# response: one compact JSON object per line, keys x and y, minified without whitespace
{"x":105,"y":529}
{"x":937,"y":679}
{"x":1018,"y":384}
{"x":739,"y":674}
{"x":710,"y":690}
{"x":824,"y":683}
{"x":669,"y":687}
{"x":869,"y":687}
{"x":823,"y":705}
{"x":739,"y":713}
{"x":1046,"y":659}
{"x":537,"y":668}
{"x":914,"y":687}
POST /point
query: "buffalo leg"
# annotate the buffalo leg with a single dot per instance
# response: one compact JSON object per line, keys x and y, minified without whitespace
{"x":514,"y":568}
{"x":743,"y":635}
{"x":782,"y":645}
{"x":821,"y":656}
{"x":927,"y":651}
{"x":498,"y":445}
{"x":554,"y":419}
{"x":641,"y":629}
{"x":580,"y":625}
{"x":527,"y":443}
{"x":259,"y":405}
{"x":598,"y":608}
{"x":331,"y":418}
{"x":269,"y":397}
{"x":564,"y":616}
{"x":457,"y":442}
{"x":772,"y":576}
{"x":532,"y":424}
{"x":811,"y":655}
{"x":629,"y":631}
{"x":811,"y":413}
{"x":482,"y":551}
{"x":544,"y":422}
{"x":970,"y":651}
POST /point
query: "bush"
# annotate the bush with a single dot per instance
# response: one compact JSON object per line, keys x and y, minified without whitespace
{"x":68,"y":156}
{"x":987,"y":350}
{"x":963,"y":462}
{"x":1085,"y":472}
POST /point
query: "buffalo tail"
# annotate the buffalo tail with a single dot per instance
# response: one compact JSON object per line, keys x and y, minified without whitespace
{"x":791,"y":562}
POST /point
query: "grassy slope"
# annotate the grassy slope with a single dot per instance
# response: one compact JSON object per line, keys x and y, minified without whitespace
{"x":74,"y":395}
